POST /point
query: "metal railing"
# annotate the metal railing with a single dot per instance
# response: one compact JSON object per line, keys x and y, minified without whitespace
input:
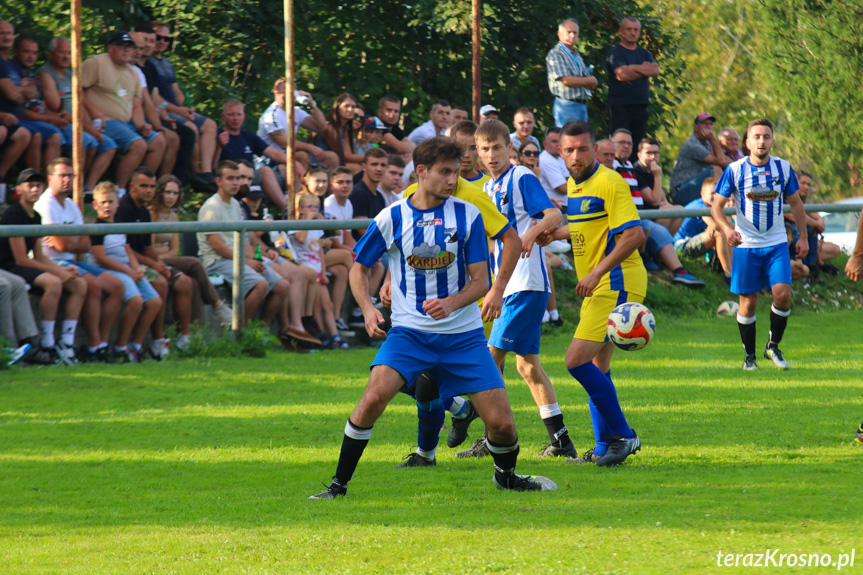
{"x":241,"y":227}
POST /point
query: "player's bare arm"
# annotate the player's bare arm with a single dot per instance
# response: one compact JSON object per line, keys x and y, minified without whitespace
{"x":475,"y":288}
{"x":626,"y":243}
{"x":551,"y":218}
{"x":359,"y":278}
{"x":493,"y":301}
{"x":732,"y":236}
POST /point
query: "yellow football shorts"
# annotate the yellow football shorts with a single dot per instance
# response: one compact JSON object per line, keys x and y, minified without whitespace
{"x":595,"y":311}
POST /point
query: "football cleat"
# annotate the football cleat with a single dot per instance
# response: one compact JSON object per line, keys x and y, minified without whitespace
{"x":478,"y":449}
{"x":415,"y":460}
{"x":588,"y":457}
{"x":772,"y":353}
{"x":749,"y":363}
{"x":335,"y":489}
{"x":515,"y":482}
{"x":458,"y":429}
{"x":553,"y":450}
{"x":619,"y":448}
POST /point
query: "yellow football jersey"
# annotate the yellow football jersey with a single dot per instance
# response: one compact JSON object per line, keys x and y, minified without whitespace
{"x":472,"y":192}
{"x":599,"y":209}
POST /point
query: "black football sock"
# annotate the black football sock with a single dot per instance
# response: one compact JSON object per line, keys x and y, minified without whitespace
{"x":505,"y":457}
{"x":553,"y":420}
{"x":747,"y":333}
{"x":778,"y":322}
{"x":355,"y":441}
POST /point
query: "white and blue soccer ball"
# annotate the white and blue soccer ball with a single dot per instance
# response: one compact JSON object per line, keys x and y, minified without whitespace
{"x":631,"y":326}
{"x":727,"y":308}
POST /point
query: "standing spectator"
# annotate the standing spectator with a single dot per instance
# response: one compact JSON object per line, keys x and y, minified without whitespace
{"x":629,"y":70}
{"x":729,"y":139}
{"x":523,"y":122}
{"x":113,"y":253}
{"x":569,"y":80}
{"x":700,"y":157}
{"x":648,"y":174}
{"x":553,"y":174}
{"x":133,"y":208}
{"x":489,"y":112}
{"x":104,"y":291}
{"x":338,"y":206}
{"x":760,"y":185}
{"x":273,"y":128}
{"x":389,"y":110}
{"x":112,"y":94}
{"x":234,"y":144}
{"x":436,"y":126}
{"x":56,"y":78}
{"x":177,"y":106}
{"x":33,"y":113}
{"x":338,"y":135}
{"x":167,"y":199}
{"x":699,"y":236}
{"x":40,"y":272}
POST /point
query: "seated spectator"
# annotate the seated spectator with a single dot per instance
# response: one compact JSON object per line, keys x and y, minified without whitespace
{"x":167,"y":91}
{"x":17,"y":324}
{"x":104,"y":291}
{"x":436,"y":126}
{"x":459,"y":114}
{"x":308,"y":248}
{"x":234,"y":144}
{"x":56,"y":79}
{"x":524,"y":123}
{"x":605,"y":150}
{"x":112,"y":95}
{"x":729,"y":139}
{"x":167,"y":199}
{"x":337,"y":206}
{"x":133,"y":209}
{"x":648,"y":175}
{"x":391,"y":185}
{"x":799,"y":270}
{"x":698,"y":236}
{"x":370,"y":136}
{"x":41,"y":273}
{"x":389,"y":109}
{"x":658,"y":243}
{"x":15,"y":140}
{"x":217,"y":251}
{"x":338,"y":134}
{"x":113,"y":254}
{"x":528,"y":156}
{"x":273,"y":129}
{"x":553,"y":171}
{"x":33,"y":116}
{"x":157,"y":117}
{"x":700,"y":157}
{"x":819,"y":251}
{"x":489,"y":112}
{"x":316,"y":182}
{"x":367,"y":202}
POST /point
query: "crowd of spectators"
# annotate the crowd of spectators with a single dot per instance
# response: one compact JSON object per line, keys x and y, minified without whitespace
{"x":142,"y":132}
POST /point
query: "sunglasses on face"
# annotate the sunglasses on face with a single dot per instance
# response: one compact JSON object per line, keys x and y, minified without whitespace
{"x":164,"y":38}
{"x":530,"y":153}
{"x":359,"y":117}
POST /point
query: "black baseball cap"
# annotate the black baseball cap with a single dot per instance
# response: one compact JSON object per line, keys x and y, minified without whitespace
{"x":120,"y":39}
{"x":31,"y":175}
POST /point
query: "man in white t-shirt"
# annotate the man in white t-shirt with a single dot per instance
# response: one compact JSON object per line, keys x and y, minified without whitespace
{"x":273,"y":128}
{"x":104,"y":291}
{"x":553,"y":171}
{"x":337,"y":206}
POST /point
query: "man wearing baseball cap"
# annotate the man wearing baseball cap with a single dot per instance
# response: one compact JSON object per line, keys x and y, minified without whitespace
{"x":489,"y":112}
{"x":700,"y":157}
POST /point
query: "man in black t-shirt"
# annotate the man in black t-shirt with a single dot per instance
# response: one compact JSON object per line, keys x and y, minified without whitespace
{"x":629,"y":70}
{"x":133,"y":208}
{"x":42,"y":273}
{"x":234,"y":143}
{"x":389,"y":109}
{"x":648,"y":175}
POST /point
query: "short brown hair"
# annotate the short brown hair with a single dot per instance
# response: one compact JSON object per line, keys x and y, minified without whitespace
{"x":142,"y":171}
{"x":463,"y":128}
{"x":759,"y":122}
{"x":388,"y":100}
{"x":492,"y":130}
{"x":61,"y":161}
{"x":648,"y":142}
{"x":523,"y":111}
{"x":395,"y":160}
{"x":437,"y":149}
{"x":341,"y":170}
{"x":226,"y":165}
{"x":230,"y":103}
{"x":374,"y":153}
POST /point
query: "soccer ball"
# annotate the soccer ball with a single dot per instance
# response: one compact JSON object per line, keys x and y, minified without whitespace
{"x":631,"y":326}
{"x":727,"y":308}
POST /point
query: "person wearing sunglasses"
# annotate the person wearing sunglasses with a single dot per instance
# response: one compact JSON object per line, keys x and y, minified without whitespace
{"x":528,"y":156}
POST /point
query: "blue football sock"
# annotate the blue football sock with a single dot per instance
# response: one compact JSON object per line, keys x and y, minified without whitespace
{"x":604,"y":397}
{"x":600,"y":429}
{"x":431,"y":417}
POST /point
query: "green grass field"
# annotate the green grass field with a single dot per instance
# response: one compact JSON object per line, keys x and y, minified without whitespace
{"x":204,"y":466}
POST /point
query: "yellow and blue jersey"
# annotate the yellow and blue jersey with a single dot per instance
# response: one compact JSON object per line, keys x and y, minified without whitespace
{"x":599,"y":209}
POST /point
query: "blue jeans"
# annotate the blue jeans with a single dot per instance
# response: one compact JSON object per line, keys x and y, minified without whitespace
{"x":691,"y":188}
{"x":568,"y":111}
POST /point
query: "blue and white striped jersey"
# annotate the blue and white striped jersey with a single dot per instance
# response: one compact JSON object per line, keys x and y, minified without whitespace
{"x":759,"y":194}
{"x":520,"y":197}
{"x":429,"y":251}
